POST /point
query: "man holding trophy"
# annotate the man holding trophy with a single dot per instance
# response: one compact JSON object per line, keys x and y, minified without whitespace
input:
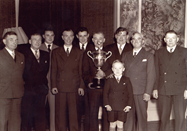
{"x":93,"y":75}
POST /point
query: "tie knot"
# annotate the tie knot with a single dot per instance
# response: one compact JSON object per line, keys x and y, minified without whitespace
{"x":49,"y":47}
{"x":171,"y":50}
{"x":134,"y":54}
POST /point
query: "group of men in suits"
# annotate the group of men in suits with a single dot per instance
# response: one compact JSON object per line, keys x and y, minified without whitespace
{"x":65,"y":76}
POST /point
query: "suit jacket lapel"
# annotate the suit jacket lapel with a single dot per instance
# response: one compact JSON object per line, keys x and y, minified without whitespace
{"x":44,"y":48}
{"x":9,"y":58}
{"x":134,"y":61}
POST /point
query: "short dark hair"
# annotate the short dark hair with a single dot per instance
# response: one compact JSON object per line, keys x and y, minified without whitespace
{"x":9,"y":33}
{"x":33,"y":34}
{"x":121,"y":29}
{"x":171,"y":31}
{"x":68,"y":29}
{"x":82,"y":29}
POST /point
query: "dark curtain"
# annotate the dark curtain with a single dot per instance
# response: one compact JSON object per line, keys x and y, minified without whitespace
{"x":7,"y":16}
{"x":35,"y":15}
{"x":96,"y":15}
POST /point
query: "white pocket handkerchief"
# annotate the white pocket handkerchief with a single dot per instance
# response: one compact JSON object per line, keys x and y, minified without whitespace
{"x":46,"y":61}
{"x":144,"y":60}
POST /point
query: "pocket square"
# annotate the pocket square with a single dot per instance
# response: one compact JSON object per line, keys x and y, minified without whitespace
{"x":46,"y":61}
{"x":123,"y":83}
{"x":144,"y":60}
{"x":21,"y":62}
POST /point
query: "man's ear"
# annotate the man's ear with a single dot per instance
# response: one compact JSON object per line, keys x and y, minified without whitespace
{"x":43,"y":36}
{"x":4,"y":41}
{"x":30,"y":41}
{"x":123,"y":69}
{"x":104,"y":40}
{"x":76,"y":35}
{"x":178,"y":39}
{"x":93,"y":40}
{"x":165,"y":40}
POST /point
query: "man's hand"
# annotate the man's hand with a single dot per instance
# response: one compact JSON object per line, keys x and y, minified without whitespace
{"x":108,"y":108}
{"x":81,"y":91}
{"x":146,"y":97}
{"x":155,"y":94}
{"x":185,"y":94}
{"x":100,"y":74}
{"x":54,"y":91}
{"x":110,"y":76}
{"x":127,"y":109}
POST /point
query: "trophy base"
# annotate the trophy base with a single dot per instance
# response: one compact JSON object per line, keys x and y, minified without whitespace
{"x":98,"y":83}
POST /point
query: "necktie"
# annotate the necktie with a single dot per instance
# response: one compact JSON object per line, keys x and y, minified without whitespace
{"x":68,"y":52}
{"x":120,"y":49}
{"x":82,"y":47}
{"x":134,"y":54}
{"x":171,"y":50}
{"x":118,"y":79}
{"x":49,"y":47}
{"x":36,"y":55}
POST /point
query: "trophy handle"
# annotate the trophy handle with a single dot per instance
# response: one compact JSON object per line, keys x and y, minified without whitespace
{"x":88,"y":53}
{"x":109,"y":55}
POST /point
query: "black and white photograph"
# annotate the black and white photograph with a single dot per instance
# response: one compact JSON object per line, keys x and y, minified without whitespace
{"x":93,"y":65}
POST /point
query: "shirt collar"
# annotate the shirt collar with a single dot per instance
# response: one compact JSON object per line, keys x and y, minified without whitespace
{"x":122,"y":46}
{"x":48,"y":44}
{"x":65,"y":47}
{"x":118,"y":77}
{"x":173,"y":48}
{"x":96,"y":48}
{"x":136,"y":51}
{"x":9,"y":51}
{"x":85,"y":45}
{"x":34,"y":50}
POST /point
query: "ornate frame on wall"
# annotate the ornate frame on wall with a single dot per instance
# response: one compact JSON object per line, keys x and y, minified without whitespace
{"x":153,"y":18}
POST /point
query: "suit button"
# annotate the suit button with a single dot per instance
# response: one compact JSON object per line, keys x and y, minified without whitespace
{"x":165,"y":81}
{"x":62,"y":79}
{"x":165,"y":73}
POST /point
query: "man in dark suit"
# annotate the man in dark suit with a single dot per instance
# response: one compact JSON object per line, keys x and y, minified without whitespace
{"x":11,"y":84}
{"x":48,"y":46}
{"x":171,"y":82}
{"x":67,"y":82}
{"x":118,"y":48}
{"x":89,"y":72}
{"x":83,"y":106}
{"x":36,"y":84}
{"x":140,"y":68}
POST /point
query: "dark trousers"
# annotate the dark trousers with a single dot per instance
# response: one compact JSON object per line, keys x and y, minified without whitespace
{"x":81,"y":109}
{"x":66,"y":116}
{"x":141,"y":112}
{"x":10,"y":111}
{"x":33,"y":108}
{"x":95,"y":101}
{"x":130,"y":123}
{"x":165,"y":106}
{"x":87,"y":110}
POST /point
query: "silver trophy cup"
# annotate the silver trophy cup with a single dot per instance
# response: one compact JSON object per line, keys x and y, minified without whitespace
{"x":99,"y":57}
